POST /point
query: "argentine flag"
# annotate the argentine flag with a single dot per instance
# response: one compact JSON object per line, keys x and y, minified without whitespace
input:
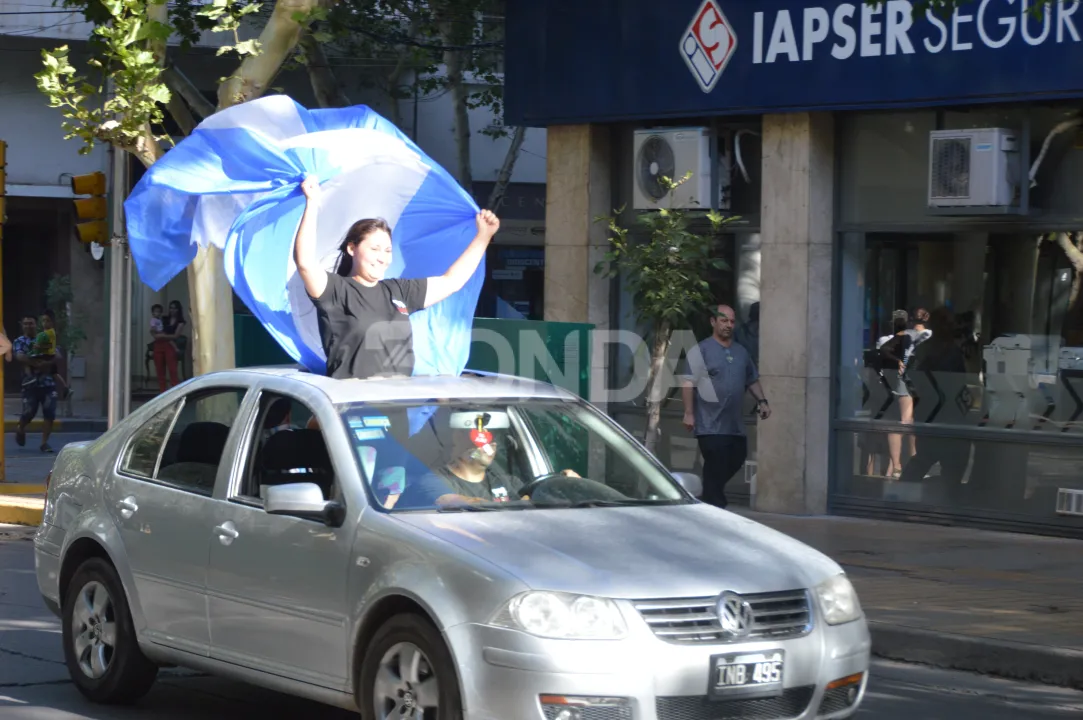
{"x":235,"y":183}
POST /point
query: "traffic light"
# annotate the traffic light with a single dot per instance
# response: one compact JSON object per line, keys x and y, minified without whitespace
{"x":94,"y":210}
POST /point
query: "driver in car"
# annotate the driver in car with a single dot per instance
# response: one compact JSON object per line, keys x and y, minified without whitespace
{"x":469,"y":477}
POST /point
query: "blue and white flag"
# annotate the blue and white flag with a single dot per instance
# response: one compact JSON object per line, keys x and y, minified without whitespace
{"x":235,"y":183}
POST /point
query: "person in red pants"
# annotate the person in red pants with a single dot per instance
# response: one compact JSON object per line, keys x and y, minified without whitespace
{"x":165,"y":346}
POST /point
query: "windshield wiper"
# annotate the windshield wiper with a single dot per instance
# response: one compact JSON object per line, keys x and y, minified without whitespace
{"x":465,"y":507}
{"x":594,"y":503}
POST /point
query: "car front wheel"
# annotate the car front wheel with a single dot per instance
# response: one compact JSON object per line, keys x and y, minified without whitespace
{"x":408,"y":673}
{"x":100,"y":647}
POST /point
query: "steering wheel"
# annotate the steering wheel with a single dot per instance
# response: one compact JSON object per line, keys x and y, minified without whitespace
{"x":530,"y":487}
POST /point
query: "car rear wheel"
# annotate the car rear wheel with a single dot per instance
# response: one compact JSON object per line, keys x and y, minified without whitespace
{"x":408,"y":673}
{"x":100,"y":648}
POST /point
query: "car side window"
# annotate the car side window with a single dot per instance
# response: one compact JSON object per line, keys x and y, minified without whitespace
{"x":287,"y":446}
{"x":197,"y":442}
{"x":141,"y":456}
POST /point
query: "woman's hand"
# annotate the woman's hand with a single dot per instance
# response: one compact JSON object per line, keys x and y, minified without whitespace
{"x":311,"y":188}
{"x":488,"y":223}
{"x":441,"y":286}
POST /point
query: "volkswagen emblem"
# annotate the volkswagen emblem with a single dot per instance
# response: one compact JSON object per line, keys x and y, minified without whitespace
{"x":734,"y":615}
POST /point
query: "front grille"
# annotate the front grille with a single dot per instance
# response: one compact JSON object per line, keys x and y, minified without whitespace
{"x":776,"y":616}
{"x":611,"y":712}
{"x":789,"y":704}
{"x":838,"y":699}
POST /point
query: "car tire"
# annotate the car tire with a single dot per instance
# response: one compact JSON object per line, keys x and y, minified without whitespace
{"x":407,"y":633}
{"x":100,"y":646}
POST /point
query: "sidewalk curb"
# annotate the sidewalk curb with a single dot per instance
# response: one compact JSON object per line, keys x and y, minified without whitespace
{"x":1016,"y":661}
{"x":16,"y":510}
{"x":15,"y":488}
{"x":59,"y":425}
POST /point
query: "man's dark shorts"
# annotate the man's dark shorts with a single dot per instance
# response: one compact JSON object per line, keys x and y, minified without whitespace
{"x":35,"y":396}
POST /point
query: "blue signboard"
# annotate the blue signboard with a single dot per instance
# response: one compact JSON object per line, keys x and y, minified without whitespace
{"x":569,"y":61}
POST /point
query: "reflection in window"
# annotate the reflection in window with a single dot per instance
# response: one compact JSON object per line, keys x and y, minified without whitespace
{"x":990,"y":343}
{"x":141,"y":457}
{"x":1004,"y":303}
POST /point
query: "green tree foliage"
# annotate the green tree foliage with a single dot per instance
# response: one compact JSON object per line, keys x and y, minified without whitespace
{"x":667,"y":274}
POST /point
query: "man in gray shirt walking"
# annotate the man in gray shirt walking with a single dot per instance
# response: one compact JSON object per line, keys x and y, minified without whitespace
{"x":720,"y":372}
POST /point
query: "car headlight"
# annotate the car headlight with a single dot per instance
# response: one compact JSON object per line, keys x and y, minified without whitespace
{"x":838,"y":601}
{"x":563,"y":616}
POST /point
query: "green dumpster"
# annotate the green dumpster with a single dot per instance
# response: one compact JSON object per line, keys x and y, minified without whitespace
{"x":553,"y":352}
{"x":253,"y":345}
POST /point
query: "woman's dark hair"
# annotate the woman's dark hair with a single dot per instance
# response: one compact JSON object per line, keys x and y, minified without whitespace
{"x":175,"y":305}
{"x":357,"y":232}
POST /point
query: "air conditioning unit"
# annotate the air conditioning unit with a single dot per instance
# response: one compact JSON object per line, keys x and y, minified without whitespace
{"x":974,"y":168}
{"x":672,"y":152}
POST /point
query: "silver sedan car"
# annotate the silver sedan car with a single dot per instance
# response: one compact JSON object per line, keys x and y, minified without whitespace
{"x":478,"y":547}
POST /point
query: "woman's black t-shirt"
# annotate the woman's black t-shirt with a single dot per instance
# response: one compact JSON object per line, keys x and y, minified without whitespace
{"x":365,"y":331}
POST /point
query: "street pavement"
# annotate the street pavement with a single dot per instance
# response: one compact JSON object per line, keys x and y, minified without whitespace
{"x":34,"y":683}
{"x":28,"y":464}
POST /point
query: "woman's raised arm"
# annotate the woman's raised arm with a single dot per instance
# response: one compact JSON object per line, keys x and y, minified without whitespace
{"x":304,"y":248}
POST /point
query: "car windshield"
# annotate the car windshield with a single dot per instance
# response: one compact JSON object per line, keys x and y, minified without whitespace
{"x":501,"y":455}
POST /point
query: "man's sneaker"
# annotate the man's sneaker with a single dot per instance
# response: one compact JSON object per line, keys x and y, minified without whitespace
{"x":45,"y":448}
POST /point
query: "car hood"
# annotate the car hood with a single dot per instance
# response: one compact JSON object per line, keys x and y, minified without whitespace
{"x":633,"y":552}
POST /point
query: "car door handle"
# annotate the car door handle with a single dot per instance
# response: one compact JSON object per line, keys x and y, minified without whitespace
{"x":127,"y":507}
{"x":226,"y":533}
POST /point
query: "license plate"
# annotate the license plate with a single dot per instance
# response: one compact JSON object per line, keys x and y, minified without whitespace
{"x":746,"y":675}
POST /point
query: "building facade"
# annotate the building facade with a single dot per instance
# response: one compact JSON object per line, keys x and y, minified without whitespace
{"x":876,"y":162}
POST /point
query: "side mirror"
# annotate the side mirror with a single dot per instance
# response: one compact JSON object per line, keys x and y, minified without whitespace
{"x":690,"y":482}
{"x":303,"y":500}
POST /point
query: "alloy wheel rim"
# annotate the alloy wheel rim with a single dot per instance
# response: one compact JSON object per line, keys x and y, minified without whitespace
{"x":94,"y":630}
{"x":406,"y":686}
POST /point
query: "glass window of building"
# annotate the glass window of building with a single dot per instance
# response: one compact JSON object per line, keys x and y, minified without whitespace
{"x":960,"y":378}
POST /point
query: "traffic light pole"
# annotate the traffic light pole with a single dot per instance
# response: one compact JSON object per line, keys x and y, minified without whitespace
{"x":119,"y":297}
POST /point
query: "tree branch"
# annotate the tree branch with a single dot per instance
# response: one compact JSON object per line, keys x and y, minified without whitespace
{"x":279,"y":37}
{"x":179,"y":84}
{"x":328,"y":90}
{"x":1075,"y":256}
{"x":504,"y":177}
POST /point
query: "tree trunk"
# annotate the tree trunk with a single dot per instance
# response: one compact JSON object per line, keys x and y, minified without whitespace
{"x":1073,"y":318}
{"x":453,"y":64}
{"x":656,"y":392}
{"x":325,"y":85}
{"x":209,"y":291}
{"x":502,"y":180}
{"x":395,"y":77}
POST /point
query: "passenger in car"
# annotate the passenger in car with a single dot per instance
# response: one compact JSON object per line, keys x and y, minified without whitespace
{"x":364,"y":318}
